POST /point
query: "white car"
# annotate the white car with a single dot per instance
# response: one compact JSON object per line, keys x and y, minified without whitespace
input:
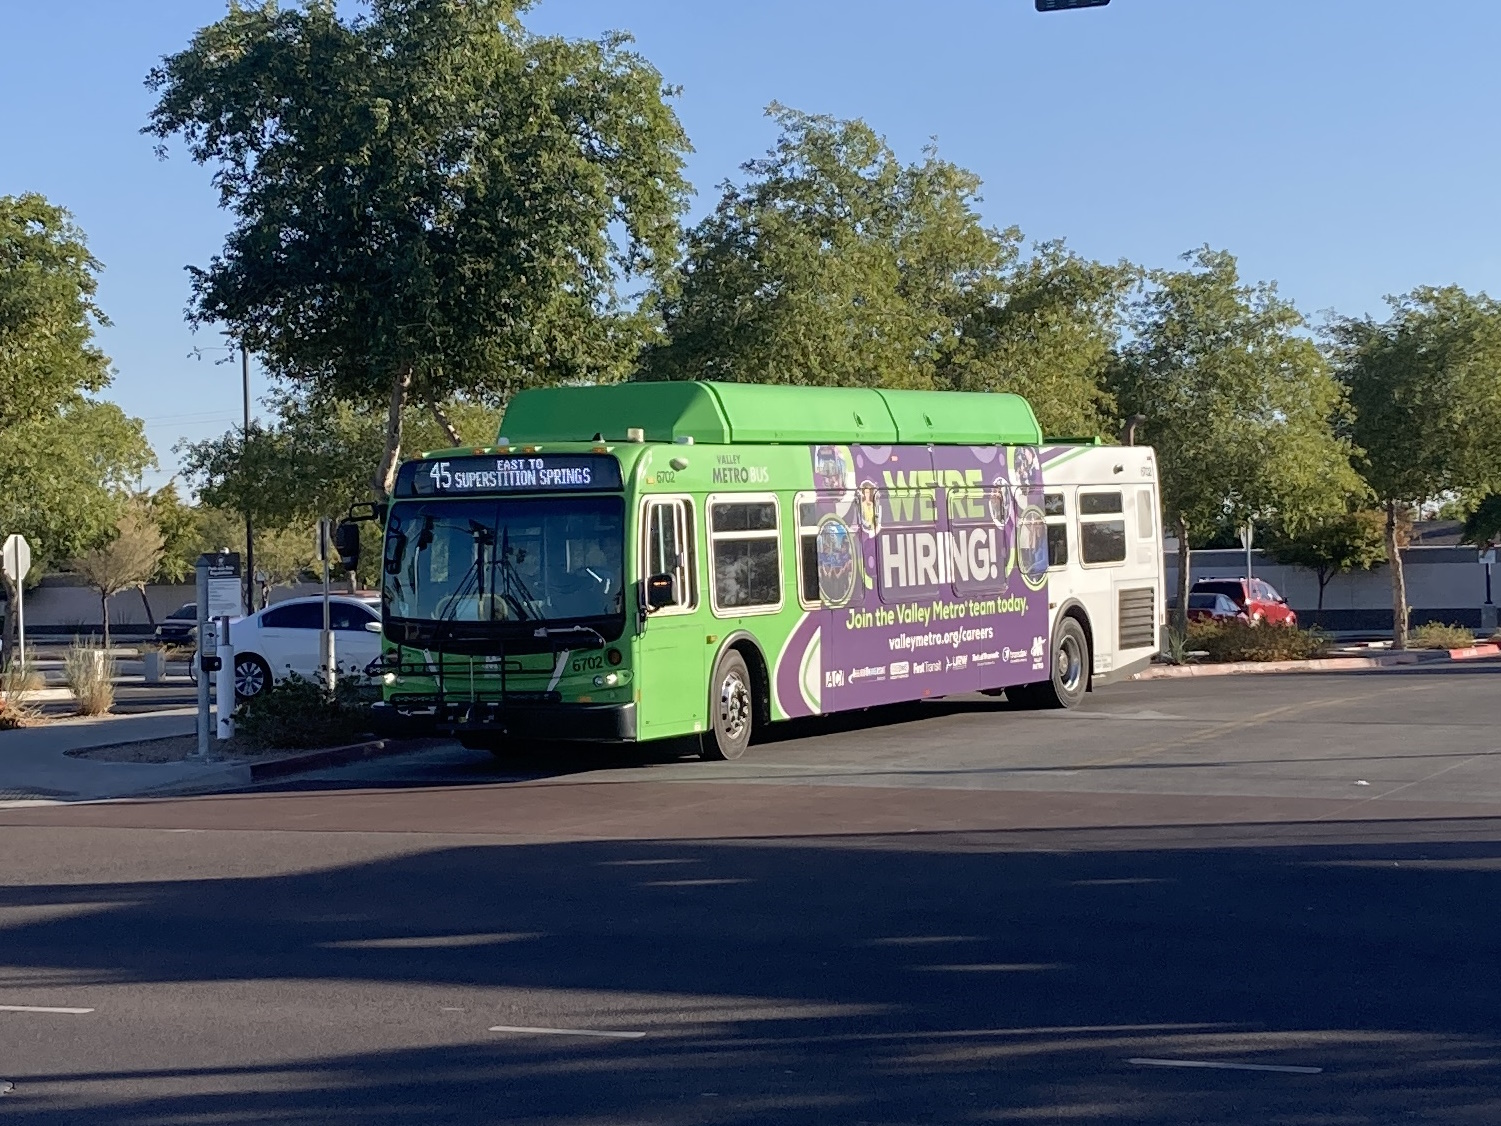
{"x":284,"y":638}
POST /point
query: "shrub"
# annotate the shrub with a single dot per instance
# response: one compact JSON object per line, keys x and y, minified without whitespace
{"x":298,"y":712}
{"x":1240,"y":641}
{"x":16,"y":709}
{"x":91,"y":675}
{"x":1177,"y":650}
{"x":1432,"y":635}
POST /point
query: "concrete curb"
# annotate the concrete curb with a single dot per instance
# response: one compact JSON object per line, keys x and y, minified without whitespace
{"x":1475,"y":652}
{"x":234,"y":776}
{"x":327,"y":756}
{"x":1325,"y":664}
{"x":1232,"y":668}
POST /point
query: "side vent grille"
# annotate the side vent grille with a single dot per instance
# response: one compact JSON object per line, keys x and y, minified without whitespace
{"x":1137,"y":614}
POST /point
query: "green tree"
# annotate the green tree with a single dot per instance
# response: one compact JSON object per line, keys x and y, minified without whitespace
{"x":1049,"y":335}
{"x":428,"y":199}
{"x":126,"y":562}
{"x":1482,"y":526}
{"x":181,"y":543}
{"x":315,"y":457}
{"x":1427,"y":406}
{"x":66,"y":461}
{"x":1334,"y":545}
{"x":1239,"y":404}
{"x":48,"y":278}
{"x":834,"y":263}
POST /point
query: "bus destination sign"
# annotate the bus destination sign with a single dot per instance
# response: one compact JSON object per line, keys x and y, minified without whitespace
{"x":504,"y":473}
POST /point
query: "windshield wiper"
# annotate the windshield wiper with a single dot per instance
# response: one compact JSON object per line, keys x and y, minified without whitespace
{"x":512,"y":579}
{"x":550,"y":632}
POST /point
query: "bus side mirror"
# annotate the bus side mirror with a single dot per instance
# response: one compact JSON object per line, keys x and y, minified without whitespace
{"x":347,"y":544}
{"x":661,"y":590}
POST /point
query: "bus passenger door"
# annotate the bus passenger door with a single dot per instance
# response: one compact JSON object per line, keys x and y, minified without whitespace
{"x":669,"y":675}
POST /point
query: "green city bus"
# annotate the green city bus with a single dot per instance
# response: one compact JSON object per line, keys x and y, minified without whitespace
{"x":645,"y":561}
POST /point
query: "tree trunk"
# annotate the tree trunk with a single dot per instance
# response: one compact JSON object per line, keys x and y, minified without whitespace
{"x":385,"y":476}
{"x":104,"y":609}
{"x":1324,"y":578}
{"x":1185,"y":578}
{"x":146,"y":602}
{"x":445,"y":423}
{"x":1399,"y":579}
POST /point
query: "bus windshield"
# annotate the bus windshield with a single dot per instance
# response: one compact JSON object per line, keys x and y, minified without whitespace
{"x":505,"y":566}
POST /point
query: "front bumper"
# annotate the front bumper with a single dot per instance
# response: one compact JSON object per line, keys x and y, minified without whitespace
{"x":549,"y":721}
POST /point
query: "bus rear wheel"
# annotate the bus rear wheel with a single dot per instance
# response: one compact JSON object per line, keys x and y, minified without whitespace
{"x":732,"y":708}
{"x":1070,"y":679}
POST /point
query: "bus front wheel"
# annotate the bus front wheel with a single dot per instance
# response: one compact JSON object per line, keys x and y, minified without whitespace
{"x":1070,"y":679}
{"x":731,"y":709}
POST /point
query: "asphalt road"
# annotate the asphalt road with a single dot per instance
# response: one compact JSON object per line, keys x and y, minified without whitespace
{"x":961,"y":914}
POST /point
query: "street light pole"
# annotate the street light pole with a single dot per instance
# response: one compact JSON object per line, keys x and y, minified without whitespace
{"x":249,"y":527}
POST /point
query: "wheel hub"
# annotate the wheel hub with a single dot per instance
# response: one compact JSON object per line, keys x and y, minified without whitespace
{"x":734,"y":707}
{"x":1070,"y":664}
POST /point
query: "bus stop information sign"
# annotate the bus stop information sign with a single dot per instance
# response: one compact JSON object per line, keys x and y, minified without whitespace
{"x":225,"y":594}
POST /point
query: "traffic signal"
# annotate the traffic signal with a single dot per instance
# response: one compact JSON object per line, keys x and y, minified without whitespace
{"x":1064,"y":5}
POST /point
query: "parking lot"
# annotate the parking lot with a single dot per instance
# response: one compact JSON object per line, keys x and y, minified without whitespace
{"x":1229,"y":900}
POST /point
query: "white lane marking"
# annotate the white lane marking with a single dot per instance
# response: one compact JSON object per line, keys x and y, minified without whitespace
{"x":42,"y":1009}
{"x":427,"y":942}
{"x":645,"y":863}
{"x":525,"y":1031}
{"x":1228,"y":1066}
{"x":992,"y":967}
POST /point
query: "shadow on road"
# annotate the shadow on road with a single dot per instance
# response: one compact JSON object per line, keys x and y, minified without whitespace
{"x":939,"y":979}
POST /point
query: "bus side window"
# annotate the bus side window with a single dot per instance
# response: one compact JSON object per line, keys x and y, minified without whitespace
{"x":1102,"y":528}
{"x":826,"y":551}
{"x":669,"y":547}
{"x":807,"y":550}
{"x":745,"y":550}
{"x":1146,"y":515}
{"x":1055,"y":511}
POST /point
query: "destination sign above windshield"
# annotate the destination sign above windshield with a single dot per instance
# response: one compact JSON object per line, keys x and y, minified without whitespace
{"x":503,"y":473}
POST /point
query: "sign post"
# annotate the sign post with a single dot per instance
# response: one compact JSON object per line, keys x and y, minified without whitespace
{"x":1246,"y":535}
{"x":220,"y":597}
{"x":325,"y":550}
{"x":1488,"y":611}
{"x":17,"y":562}
{"x":224,"y":681}
{"x":201,"y":654}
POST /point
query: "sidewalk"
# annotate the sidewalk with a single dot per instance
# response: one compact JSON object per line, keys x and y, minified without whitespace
{"x":35,"y":767}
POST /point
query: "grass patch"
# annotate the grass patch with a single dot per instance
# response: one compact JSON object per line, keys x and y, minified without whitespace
{"x":1434,"y":635}
{"x":90,"y":672}
{"x":299,"y":713}
{"x":1240,"y":641}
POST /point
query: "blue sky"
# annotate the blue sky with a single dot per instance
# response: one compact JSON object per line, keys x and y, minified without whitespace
{"x":1344,"y":148}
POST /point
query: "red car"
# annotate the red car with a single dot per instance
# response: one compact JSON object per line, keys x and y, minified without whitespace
{"x":1258,"y":600}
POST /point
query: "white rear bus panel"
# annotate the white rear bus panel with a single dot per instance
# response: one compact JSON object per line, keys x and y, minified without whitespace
{"x":1104,"y":516}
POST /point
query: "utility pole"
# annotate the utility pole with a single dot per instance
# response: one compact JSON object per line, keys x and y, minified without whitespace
{"x":249,"y":526}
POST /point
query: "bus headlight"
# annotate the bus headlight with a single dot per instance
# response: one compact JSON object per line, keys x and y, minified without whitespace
{"x":608,"y":680}
{"x":389,"y":678}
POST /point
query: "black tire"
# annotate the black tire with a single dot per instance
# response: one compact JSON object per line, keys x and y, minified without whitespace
{"x":1070,"y":679}
{"x":252,"y":676}
{"x":732,"y":709}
